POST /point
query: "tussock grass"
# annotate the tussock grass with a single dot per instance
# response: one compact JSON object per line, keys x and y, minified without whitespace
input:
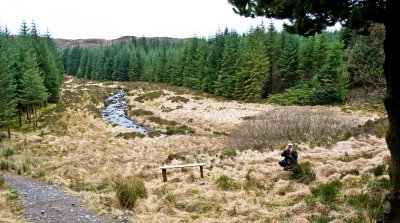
{"x":327,"y":192}
{"x":129,"y":191}
{"x":7,"y":151}
{"x":304,"y":173}
{"x":224,"y":182}
{"x":379,"y":170}
{"x":370,"y":203}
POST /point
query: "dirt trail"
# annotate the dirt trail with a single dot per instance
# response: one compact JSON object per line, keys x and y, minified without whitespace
{"x":47,"y":203}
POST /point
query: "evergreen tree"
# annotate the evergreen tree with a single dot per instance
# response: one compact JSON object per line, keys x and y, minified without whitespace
{"x":33,"y":91}
{"x":269,"y":86}
{"x":189,"y":58}
{"x":214,"y":60}
{"x":330,"y":84}
{"x":73,"y":60}
{"x":136,"y":65}
{"x":200,"y":66}
{"x":225,"y":84}
{"x":33,"y":30}
{"x":82,"y":64}
{"x":253,"y":68}
{"x":23,"y":29}
{"x":121,"y":68}
{"x":8,"y":101}
{"x":305,"y":58}
{"x":288,"y":61}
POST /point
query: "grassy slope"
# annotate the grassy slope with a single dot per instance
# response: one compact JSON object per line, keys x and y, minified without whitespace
{"x":76,"y":149}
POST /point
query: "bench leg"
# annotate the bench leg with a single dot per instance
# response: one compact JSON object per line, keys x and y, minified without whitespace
{"x":164,"y":175}
{"x":201,"y":172}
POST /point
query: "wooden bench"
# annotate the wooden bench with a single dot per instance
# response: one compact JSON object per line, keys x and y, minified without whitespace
{"x":164,"y":169}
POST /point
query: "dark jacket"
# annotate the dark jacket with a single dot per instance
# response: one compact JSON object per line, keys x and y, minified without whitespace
{"x":290,"y":157}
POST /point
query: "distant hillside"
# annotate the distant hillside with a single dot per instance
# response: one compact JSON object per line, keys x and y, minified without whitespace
{"x":65,"y":43}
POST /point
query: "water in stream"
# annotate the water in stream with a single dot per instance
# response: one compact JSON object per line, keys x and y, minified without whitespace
{"x":114,"y":112}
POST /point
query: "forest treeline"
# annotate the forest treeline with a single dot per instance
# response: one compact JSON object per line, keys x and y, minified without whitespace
{"x":262,"y":64}
{"x":31,"y":74}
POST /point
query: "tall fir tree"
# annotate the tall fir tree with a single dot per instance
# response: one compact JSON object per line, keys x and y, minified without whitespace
{"x":33,"y":91}
{"x":253,"y":68}
{"x":269,"y":86}
{"x":8,"y":102}
{"x":224,"y":86}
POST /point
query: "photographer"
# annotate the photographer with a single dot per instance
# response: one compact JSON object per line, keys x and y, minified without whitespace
{"x":290,"y":159}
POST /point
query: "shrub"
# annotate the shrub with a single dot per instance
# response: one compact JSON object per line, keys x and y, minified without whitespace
{"x":226,"y":183}
{"x":130,"y":135}
{"x":304,"y":173}
{"x":183,"y":129}
{"x":149,"y":96}
{"x":279,"y":126}
{"x":176,"y":99}
{"x":2,"y":183}
{"x":327,"y":192}
{"x":129,"y":190}
{"x":140,"y":112}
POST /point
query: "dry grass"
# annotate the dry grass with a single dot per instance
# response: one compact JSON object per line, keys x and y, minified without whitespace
{"x":11,"y":210}
{"x":86,"y":153}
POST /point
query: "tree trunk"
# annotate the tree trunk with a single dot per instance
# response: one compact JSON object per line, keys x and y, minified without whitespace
{"x":392,"y":104}
{"x":19,"y":118}
{"x":35,"y":115}
{"x":9,"y":131}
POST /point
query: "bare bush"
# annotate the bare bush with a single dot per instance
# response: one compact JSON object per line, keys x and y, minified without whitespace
{"x":296,"y":124}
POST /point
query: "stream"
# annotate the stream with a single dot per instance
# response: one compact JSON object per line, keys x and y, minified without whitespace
{"x":114,"y":112}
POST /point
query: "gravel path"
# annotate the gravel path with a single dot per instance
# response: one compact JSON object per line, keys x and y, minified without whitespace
{"x":48,"y":204}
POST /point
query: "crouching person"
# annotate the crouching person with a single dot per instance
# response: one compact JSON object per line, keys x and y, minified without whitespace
{"x":290,"y":158}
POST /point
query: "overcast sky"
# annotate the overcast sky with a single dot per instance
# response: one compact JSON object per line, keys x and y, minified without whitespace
{"x":111,"y":19}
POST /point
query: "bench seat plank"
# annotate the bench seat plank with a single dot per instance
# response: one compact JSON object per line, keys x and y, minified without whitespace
{"x":183,"y":166}
{"x":164,"y":169}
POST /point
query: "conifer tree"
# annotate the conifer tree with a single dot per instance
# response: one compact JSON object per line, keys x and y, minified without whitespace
{"x":253,"y":68}
{"x":200,"y":66}
{"x":23,"y":29}
{"x":214,"y":60}
{"x":330,"y":84}
{"x":33,"y":91}
{"x":73,"y":60}
{"x":121,"y":67}
{"x":288,"y":61}
{"x":225,"y":84}
{"x":269,"y":86}
{"x":305,"y":58}
{"x":136,"y":65}
{"x":8,"y":101}
{"x":189,"y":58}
